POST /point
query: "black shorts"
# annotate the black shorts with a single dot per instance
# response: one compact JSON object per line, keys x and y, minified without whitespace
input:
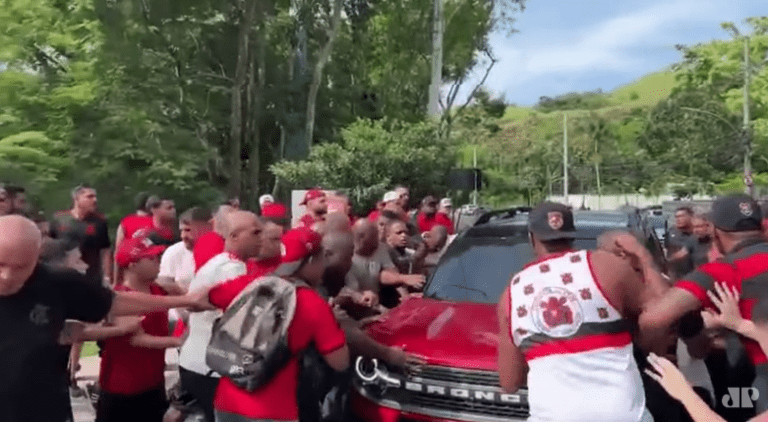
{"x":149,"y":406}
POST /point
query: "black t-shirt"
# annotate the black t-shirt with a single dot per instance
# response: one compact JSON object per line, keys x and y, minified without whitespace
{"x":32,"y":382}
{"x":91,"y":233}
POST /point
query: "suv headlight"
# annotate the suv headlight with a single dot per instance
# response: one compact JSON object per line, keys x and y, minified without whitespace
{"x":371,"y":371}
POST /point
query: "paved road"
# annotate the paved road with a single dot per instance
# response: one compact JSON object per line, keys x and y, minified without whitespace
{"x":89,"y":373}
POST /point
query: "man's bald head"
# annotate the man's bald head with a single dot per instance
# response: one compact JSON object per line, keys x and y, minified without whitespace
{"x":19,"y":252}
{"x":339,"y":248}
{"x":436,"y":238}
{"x":337,"y":222}
{"x":607,"y":241}
{"x":366,"y":236}
{"x":244,"y":234}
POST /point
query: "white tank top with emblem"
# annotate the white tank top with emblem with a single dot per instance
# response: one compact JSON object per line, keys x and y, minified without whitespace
{"x":577,"y":345}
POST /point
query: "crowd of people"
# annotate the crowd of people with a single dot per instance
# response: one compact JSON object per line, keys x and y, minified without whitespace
{"x":166,"y":281}
{"x":594,"y":333}
{"x":575,"y":327}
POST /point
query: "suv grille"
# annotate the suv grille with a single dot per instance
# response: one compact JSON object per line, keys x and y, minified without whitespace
{"x":457,"y":376}
{"x":459,"y":406}
{"x":470,"y":408}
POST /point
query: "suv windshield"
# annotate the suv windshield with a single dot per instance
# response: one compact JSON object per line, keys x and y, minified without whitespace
{"x":477,"y":269}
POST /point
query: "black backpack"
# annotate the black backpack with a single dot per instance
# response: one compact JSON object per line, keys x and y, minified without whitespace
{"x":249,"y":341}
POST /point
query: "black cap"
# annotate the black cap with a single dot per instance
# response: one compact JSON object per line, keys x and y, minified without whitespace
{"x":736,"y":213}
{"x":551,"y":221}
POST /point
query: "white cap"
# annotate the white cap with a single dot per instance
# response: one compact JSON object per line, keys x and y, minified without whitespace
{"x":391,"y":196}
{"x":265,"y":198}
{"x":446,"y":202}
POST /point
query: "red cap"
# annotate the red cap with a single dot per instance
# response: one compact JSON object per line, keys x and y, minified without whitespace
{"x":135,"y":249}
{"x":297,"y":245}
{"x":274,"y":210}
{"x":312,"y":194}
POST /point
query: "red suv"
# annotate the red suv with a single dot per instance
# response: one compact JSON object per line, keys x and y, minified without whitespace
{"x":455,"y":328}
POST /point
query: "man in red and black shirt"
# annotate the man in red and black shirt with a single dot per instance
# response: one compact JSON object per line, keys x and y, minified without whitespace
{"x":317,"y":207}
{"x":738,"y":236}
{"x":85,"y":225}
{"x":313,"y":324}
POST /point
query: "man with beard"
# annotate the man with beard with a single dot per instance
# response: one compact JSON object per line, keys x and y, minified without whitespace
{"x":681,"y":242}
{"x":429,"y":217}
{"x":317,"y":207}
{"x":702,"y":230}
{"x":177,"y":267}
{"x":163,"y":218}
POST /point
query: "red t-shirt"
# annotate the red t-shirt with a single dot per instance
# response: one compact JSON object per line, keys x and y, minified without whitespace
{"x":207,"y":246}
{"x":313,"y":323}
{"x":308,"y":221}
{"x":262,"y":266}
{"x":131,"y":370}
{"x":133,"y":223}
{"x":374,"y":215}
{"x":439,"y":219}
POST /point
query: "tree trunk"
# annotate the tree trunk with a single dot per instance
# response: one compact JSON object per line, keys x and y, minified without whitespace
{"x":237,"y":130}
{"x":317,"y":76}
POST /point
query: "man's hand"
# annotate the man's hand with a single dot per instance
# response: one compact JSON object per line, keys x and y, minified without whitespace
{"x":368,"y":299}
{"x":415,"y":281}
{"x":629,"y":246}
{"x":197,"y":301}
{"x":727,"y":301}
{"x":131,"y":325}
{"x":670,"y":378}
{"x":398,"y":357}
{"x":71,"y":333}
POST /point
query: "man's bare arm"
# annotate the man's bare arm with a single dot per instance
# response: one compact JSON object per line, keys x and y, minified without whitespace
{"x":512,"y":364}
{"x":390,"y":277}
{"x":106,"y":265}
{"x":658,"y":317}
{"x":135,"y":303}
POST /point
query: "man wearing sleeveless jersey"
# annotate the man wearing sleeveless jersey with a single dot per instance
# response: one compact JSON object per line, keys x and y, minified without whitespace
{"x":566,"y":320}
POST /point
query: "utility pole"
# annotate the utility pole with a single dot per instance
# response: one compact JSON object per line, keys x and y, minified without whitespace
{"x":747,"y":139}
{"x":433,"y":109}
{"x":474,"y":170}
{"x":565,"y":157}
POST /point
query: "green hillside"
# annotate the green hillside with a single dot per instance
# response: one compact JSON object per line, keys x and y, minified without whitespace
{"x":644,"y":92}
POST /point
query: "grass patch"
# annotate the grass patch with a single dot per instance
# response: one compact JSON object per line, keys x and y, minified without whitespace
{"x":89,"y":349}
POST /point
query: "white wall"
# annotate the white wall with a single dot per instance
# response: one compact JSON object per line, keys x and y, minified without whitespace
{"x":611,"y":202}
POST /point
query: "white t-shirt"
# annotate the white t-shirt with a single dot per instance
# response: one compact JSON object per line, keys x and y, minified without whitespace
{"x":219,"y":269}
{"x":178,"y":263}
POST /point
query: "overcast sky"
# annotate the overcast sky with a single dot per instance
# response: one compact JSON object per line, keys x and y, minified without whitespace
{"x":566,"y":46}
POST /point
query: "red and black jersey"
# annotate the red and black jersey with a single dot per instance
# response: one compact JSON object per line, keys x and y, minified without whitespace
{"x":746,"y":269}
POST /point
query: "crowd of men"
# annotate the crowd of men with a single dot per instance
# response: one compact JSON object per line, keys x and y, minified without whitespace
{"x":166,"y":281}
{"x":575,"y":326}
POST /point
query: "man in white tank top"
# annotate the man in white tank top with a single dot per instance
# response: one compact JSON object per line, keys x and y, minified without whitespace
{"x":566,"y":320}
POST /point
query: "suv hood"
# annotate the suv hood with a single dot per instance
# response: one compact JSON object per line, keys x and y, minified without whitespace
{"x":457,"y":334}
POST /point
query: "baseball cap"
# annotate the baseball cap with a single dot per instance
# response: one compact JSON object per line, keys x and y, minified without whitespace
{"x":446,"y":202}
{"x":391,"y":196}
{"x":551,"y":221}
{"x":736,"y":213}
{"x":265,"y":198}
{"x":274,"y":210}
{"x":312,"y":194}
{"x":135,"y":249}
{"x":297,"y":245}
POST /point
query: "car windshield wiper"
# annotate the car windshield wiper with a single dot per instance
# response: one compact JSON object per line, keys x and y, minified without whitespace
{"x":461,"y":286}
